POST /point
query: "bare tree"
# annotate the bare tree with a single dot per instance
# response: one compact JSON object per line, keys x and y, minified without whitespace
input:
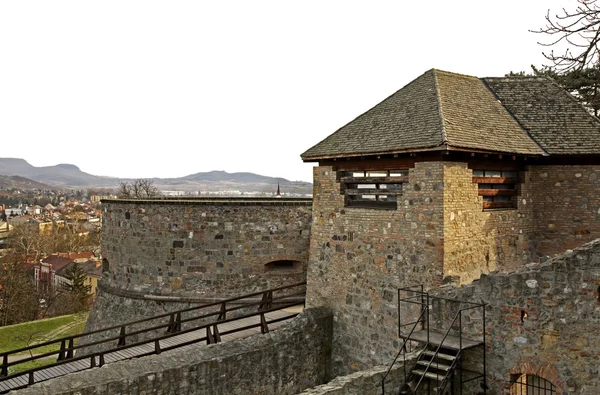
{"x":138,"y":189}
{"x":26,"y":239}
{"x":579,"y":30}
{"x":18,"y":300}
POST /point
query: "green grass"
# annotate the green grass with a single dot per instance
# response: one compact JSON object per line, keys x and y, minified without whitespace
{"x":30,"y":365}
{"x":29,"y":333}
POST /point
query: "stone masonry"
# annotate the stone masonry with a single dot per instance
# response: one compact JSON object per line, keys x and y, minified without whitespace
{"x":543,"y":319}
{"x":204,"y":248}
{"x":439,"y":232}
{"x":360,"y":256}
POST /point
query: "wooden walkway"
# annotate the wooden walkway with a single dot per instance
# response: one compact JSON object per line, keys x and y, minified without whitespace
{"x":149,"y":348}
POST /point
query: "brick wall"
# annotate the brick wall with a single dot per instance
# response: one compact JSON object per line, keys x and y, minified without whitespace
{"x":477,"y":241}
{"x":567,"y":206}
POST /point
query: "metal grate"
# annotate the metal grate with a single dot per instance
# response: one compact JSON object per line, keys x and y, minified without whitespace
{"x":530,"y":384}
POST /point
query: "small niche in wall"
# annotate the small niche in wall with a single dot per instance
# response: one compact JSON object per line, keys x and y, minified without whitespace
{"x":127,"y":215}
{"x":105,"y":265}
{"x":283,"y":265}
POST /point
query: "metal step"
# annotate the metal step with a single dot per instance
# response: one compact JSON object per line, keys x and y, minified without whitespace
{"x":434,"y":365}
{"x":447,"y":357}
{"x":429,"y":375}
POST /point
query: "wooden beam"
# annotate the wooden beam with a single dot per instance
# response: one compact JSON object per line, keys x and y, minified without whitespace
{"x":372,"y":191}
{"x":497,"y":192}
{"x":491,"y":205}
{"x":495,"y":180}
{"x":374,"y":180}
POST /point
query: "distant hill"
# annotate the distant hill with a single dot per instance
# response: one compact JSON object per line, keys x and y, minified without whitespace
{"x":67,"y":175}
{"x":18,"y":182}
{"x":62,"y":175}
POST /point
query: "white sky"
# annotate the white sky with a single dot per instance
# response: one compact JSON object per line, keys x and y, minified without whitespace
{"x":170,"y":88}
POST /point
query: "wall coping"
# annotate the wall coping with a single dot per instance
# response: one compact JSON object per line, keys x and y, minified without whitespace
{"x":229,"y":201}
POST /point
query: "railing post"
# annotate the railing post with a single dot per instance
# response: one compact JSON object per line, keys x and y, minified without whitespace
{"x":157,"y":347}
{"x":216,"y":334}
{"x":209,"y":336}
{"x":4,"y":371}
{"x":93,"y":361}
{"x":101,"y":362}
{"x":31,"y":379}
{"x":121,"y":337}
{"x":267,"y":301}
{"x":61,"y":354}
{"x":223,"y":312}
{"x":264,"y":328}
{"x":70,"y":349}
{"x":178,"y":322}
{"x":171,"y":323}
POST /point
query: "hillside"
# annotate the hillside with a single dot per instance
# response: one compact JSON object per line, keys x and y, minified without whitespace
{"x":68,"y":175}
{"x":18,"y":182}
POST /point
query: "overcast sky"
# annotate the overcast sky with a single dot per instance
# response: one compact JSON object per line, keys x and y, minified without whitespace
{"x":170,"y":88}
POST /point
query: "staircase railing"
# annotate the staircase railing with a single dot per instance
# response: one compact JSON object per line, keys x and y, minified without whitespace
{"x":437,"y":350}
{"x":403,"y":352}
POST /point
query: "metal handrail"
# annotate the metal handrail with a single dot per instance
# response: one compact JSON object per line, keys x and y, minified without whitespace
{"x":460,"y":337}
{"x":66,"y":354}
{"x":402,"y":348}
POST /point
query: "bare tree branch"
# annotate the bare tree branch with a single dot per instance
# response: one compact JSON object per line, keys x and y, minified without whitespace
{"x":140,"y":188}
{"x":579,"y":29}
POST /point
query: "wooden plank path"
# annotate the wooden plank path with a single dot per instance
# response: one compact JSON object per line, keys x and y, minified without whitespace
{"x":149,"y":348}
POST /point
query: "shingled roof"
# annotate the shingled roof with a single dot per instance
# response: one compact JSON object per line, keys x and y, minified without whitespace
{"x":443,"y":111}
{"x":553,"y":118}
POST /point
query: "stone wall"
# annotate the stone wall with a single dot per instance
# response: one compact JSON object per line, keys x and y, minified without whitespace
{"x":360,"y":256}
{"x":365,"y":382}
{"x":543,"y":319}
{"x":204,"y":248}
{"x":285,"y":361}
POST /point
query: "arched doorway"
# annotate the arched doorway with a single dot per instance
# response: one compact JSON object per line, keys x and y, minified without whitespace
{"x":531,"y":384}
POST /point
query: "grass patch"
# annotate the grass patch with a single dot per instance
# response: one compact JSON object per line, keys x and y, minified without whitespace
{"x":30,"y":365}
{"x":29,"y":333}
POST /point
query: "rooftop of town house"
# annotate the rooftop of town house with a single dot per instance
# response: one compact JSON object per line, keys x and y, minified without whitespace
{"x":447,"y":111}
{"x":57,"y":262}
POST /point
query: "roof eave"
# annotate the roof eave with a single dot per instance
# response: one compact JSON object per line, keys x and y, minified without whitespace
{"x":317,"y":158}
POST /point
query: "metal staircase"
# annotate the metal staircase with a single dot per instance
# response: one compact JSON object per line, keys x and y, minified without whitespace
{"x":441,"y":336}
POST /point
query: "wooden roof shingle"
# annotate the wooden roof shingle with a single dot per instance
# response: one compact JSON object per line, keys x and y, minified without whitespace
{"x":443,"y":111}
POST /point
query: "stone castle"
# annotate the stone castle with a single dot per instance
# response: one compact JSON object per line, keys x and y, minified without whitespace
{"x":467,"y":186}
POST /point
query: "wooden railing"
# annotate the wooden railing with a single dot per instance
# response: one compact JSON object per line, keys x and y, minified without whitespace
{"x":212,"y":314}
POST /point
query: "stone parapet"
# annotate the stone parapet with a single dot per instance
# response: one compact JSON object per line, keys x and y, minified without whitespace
{"x":286,"y":361}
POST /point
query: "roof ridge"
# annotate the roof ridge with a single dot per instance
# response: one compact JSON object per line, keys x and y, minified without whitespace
{"x":440,"y":109}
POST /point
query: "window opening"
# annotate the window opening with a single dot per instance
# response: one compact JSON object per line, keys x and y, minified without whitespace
{"x":499,"y":188}
{"x":105,"y":267}
{"x":373,"y":188}
{"x":531,"y":384}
